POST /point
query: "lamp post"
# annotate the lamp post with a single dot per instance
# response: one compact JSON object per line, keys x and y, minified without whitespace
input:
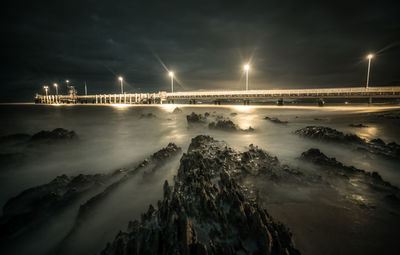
{"x":171,"y":74}
{"x":56,"y":85}
{"x":46,"y":88}
{"x":246,"y":68}
{"x":122,"y":84}
{"x":369,"y":57}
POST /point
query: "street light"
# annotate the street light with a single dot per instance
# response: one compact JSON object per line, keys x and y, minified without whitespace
{"x":46,"y":89}
{"x":122,"y":84}
{"x":56,"y":85}
{"x":246,"y":68}
{"x":369,"y":57}
{"x":171,"y":74}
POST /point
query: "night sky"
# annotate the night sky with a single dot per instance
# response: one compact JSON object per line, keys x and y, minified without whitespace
{"x":289,"y":44}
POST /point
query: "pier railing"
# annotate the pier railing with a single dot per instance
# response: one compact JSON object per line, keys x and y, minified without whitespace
{"x":281,"y":94}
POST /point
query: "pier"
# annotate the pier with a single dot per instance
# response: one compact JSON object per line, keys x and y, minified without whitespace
{"x":219,"y":96}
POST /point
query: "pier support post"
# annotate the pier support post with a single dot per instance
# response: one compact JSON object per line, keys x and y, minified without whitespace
{"x":97,"y":99}
{"x":370,"y":100}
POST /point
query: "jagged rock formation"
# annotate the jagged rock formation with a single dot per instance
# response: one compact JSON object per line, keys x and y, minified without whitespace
{"x":374,"y":146}
{"x":206,"y":212}
{"x":37,"y":203}
{"x":275,"y":120}
{"x":196,"y":118}
{"x":225,"y":125}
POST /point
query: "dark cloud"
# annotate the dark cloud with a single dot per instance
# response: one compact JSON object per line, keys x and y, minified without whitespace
{"x":289,"y":45}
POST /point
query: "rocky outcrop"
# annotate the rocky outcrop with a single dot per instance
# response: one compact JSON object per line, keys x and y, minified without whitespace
{"x":177,"y":110}
{"x":205,"y":212}
{"x":374,"y":146}
{"x":275,"y":120}
{"x":37,"y":203}
{"x":336,"y":168}
{"x":58,"y":134}
{"x":227,"y":125}
{"x":196,"y":118}
{"x":44,"y":136}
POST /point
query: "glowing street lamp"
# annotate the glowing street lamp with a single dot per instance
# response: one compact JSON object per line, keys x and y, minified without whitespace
{"x":56,"y":85}
{"x":369,"y":57}
{"x":46,"y":88}
{"x":122,"y":84}
{"x":171,"y":74}
{"x":246,"y":68}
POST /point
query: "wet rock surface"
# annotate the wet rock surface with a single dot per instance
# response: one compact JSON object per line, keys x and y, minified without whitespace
{"x":205,"y":212}
{"x":374,"y":146}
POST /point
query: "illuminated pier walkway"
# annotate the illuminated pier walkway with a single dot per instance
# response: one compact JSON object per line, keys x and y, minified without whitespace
{"x":218,"y":96}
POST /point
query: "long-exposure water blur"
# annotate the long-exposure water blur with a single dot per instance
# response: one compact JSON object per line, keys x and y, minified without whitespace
{"x":327,"y":218}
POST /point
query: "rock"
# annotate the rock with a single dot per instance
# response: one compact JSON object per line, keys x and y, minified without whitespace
{"x":196,"y":118}
{"x":206,"y":212}
{"x":328,"y":134}
{"x":374,"y":146}
{"x":336,"y":168}
{"x":233,"y":114}
{"x":225,"y":125}
{"x":177,"y":110}
{"x":58,"y":134}
{"x":41,"y":202}
{"x":35,"y":204}
{"x":275,"y":120}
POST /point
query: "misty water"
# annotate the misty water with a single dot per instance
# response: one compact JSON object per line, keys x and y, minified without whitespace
{"x":120,"y":136}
